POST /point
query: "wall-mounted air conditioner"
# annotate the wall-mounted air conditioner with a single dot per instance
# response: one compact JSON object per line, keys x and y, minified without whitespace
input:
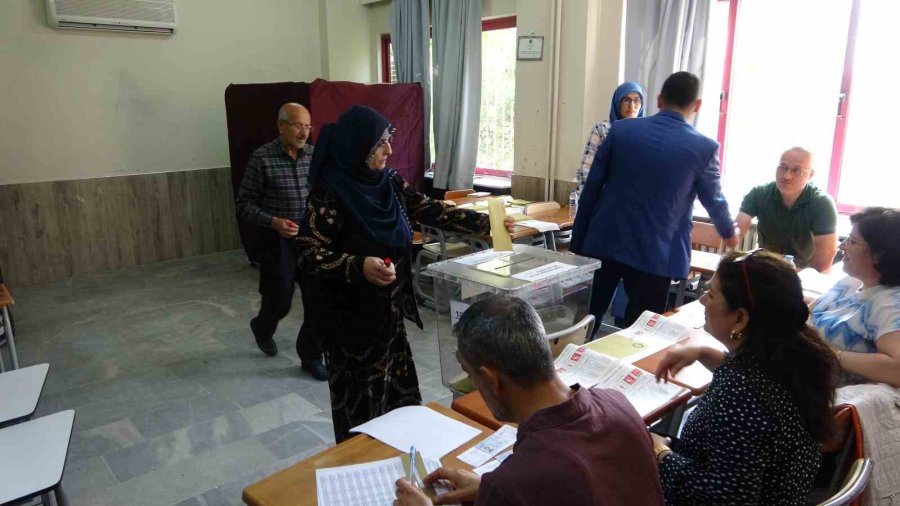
{"x":138,"y":16}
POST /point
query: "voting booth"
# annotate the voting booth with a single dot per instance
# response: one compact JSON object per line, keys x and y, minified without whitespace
{"x":556,"y":285}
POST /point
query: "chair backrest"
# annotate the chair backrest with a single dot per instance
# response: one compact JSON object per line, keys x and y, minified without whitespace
{"x":854,"y":484}
{"x":455,"y":194}
{"x":842,"y":462}
{"x":575,"y":334}
{"x":540,"y":207}
{"x":705,"y":237}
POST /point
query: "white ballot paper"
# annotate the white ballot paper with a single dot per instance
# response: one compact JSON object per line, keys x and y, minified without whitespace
{"x":486,"y":468}
{"x":430,"y":432}
{"x":540,"y":226}
{"x":577,"y":364}
{"x":490,"y":446}
{"x":369,"y":484}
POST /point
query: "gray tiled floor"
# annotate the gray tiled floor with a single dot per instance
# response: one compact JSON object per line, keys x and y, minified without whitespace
{"x":174,"y":403}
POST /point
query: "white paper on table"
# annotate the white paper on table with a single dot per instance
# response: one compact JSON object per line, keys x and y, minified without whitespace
{"x":481,"y":256}
{"x":503,"y":456}
{"x":655,"y":332}
{"x":642,"y":390}
{"x":369,"y":483}
{"x":540,"y":226}
{"x":816,"y":283}
{"x":486,"y":468}
{"x":544,"y":271}
{"x":359,"y":484}
{"x":692,"y":315}
{"x":490,"y":446}
{"x":429,"y":431}
{"x":576,"y":364}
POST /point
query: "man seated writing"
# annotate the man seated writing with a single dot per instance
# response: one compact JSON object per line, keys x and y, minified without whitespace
{"x":795,"y":217}
{"x":574,"y":446}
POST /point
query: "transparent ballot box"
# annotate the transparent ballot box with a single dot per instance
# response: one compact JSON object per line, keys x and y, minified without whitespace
{"x":557,"y":285}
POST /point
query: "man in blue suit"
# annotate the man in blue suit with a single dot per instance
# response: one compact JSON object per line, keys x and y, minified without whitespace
{"x":636,"y":208}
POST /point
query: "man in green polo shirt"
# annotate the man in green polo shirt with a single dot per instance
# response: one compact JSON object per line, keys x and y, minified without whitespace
{"x":795,"y":218}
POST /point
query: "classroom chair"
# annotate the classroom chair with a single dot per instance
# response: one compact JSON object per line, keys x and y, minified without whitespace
{"x":438,"y":245}
{"x":576,"y":334}
{"x":845,"y":470}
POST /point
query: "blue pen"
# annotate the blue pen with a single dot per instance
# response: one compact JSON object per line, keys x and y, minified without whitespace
{"x":412,"y":464}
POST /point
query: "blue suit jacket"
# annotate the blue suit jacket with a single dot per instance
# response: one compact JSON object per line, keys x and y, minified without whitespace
{"x":637,"y":204}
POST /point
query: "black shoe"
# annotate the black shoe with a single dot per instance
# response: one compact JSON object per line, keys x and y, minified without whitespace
{"x":267,"y":346}
{"x":316,"y":368}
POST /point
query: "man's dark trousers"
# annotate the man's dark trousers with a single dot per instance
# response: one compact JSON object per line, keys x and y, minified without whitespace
{"x":277,"y":275}
{"x":646,"y":292}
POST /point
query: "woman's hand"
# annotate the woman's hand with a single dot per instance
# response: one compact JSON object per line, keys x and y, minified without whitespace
{"x":377,"y":273}
{"x":510,"y":223}
{"x":677,"y":358}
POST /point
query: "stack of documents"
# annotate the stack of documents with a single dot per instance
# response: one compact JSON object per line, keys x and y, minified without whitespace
{"x":577,"y":364}
{"x":649,"y":334}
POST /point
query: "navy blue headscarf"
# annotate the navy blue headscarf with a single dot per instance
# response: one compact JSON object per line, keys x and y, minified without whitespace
{"x":624,"y":89}
{"x":339,"y":162}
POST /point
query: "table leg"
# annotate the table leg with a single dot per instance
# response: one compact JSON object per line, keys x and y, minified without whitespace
{"x":60,"y":496}
{"x":9,"y":336}
{"x":679,"y":293}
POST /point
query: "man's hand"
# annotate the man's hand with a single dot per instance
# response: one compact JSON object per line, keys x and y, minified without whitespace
{"x":285,"y":227}
{"x":510,"y":223}
{"x":465,"y":483}
{"x":410,"y":495}
{"x":377,"y":272}
{"x":733,"y":241}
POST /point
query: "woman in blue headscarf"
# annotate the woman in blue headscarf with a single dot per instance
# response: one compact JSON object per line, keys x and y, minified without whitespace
{"x":354,"y":247}
{"x":627,"y":102}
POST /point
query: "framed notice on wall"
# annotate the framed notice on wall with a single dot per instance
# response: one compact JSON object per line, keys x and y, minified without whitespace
{"x":530,"y":47}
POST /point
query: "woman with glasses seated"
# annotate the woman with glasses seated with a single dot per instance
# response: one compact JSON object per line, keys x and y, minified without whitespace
{"x":755,"y":435}
{"x":355,"y":243}
{"x":860,"y":315}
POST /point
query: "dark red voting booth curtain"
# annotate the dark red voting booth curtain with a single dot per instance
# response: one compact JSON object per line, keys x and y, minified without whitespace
{"x":401,"y":104}
{"x":251,"y":112}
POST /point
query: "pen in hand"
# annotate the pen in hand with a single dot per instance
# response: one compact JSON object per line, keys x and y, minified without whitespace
{"x":412,"y":465}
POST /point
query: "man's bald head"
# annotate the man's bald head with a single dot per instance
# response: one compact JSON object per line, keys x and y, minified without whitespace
{"x":294,"y":125}
{"x":794,"y":171}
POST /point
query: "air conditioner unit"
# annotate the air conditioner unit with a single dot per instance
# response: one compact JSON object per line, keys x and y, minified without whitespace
{"x":138,"y":16}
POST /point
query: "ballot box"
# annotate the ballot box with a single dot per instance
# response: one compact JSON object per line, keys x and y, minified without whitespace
{"x":557,"y":285}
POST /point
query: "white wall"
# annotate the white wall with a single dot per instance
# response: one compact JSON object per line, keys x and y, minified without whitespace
{"x":76,"y":104}
{"x":346,"y":40}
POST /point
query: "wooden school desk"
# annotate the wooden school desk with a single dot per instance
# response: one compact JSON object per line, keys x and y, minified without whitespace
{"x":472,"y":405}
{"x":296,"y":485}
{"x":560,"y":217}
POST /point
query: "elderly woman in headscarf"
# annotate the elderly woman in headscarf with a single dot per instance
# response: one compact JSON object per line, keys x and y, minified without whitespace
{"x":355,"y":243}
{"x":627,"y":102}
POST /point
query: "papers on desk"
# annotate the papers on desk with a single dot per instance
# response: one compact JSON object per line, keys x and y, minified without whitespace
{"x":816,"y":283}
{"x":489,"y":447}
{"x":692,"y":315}
{"x":372,"y":483}
{"x":649,"y":333}
{"x":430,"y":432}
{"x":577,"y":364}
{"x":540,"y":226}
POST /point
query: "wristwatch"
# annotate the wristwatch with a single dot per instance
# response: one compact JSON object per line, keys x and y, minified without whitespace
{"x":661,"y":451}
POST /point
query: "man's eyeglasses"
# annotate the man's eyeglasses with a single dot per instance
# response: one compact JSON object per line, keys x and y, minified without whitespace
{"x":795,"y":171}
{"x":743,"y":261}
{"x":635,"y":101}
{"x":300,"y":126}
